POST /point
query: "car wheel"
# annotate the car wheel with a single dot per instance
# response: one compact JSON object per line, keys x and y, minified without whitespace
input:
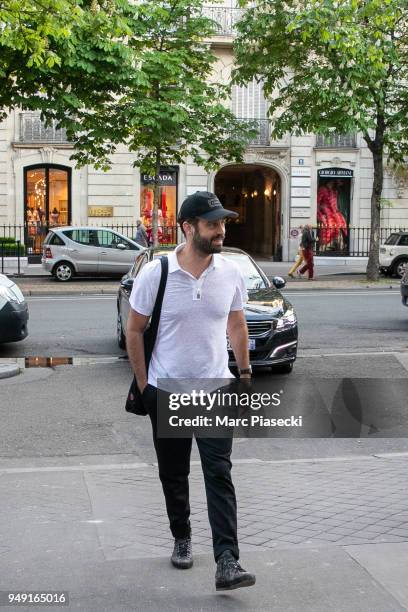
{"x":283,"y":368}
{"x":120,"y":335}
{"x":63,"y":271}
{"x":399,"y":268}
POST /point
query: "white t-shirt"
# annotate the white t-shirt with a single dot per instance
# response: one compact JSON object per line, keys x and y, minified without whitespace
{"x":191,"y":339}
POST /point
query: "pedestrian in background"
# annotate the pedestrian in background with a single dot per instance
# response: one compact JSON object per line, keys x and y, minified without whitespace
{"x":307,"y":243}
{"x":141,"y":234}
{"x":298,"y":261}
{"x":203,"y":299}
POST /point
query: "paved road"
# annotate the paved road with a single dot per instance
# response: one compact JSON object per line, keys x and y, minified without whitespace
{"x":329,"y":321}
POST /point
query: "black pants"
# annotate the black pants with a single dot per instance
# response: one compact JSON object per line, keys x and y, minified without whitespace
{"x":173,"y":457}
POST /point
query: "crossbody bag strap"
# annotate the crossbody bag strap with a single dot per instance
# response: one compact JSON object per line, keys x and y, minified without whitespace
{"x":154,"y":323}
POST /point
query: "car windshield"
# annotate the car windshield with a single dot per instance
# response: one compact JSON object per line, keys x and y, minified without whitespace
{"x":253,"y":279}
{"x":392,"y":239}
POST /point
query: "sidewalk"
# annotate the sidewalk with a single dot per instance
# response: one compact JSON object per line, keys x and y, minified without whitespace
{"x":320,"y":534}
{"x":351,"y":276}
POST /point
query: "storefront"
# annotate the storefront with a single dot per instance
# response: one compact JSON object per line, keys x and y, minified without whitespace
{"x":167,"y":212}
{"x":47,"y":198}
{"x":334,"y":188}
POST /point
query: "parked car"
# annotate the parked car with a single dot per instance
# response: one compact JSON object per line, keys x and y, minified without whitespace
{"x":271,"y":319}
{"x":404,"y":287}
{"x":87,"y":251}
{"x":13,"y":312}
{"x":394,"y":254}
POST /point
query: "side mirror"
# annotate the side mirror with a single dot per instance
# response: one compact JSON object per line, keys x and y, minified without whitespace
{"x":127,"y":284}
{"x":278,"y":282}
{"x":121,"y":246}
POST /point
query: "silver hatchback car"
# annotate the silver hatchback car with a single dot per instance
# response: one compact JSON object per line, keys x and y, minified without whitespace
{"x":91,"y":251}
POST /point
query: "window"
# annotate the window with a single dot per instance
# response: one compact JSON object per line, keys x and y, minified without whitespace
{"x":54,"y":239}
{"x":392,"y":239}
{"x":82,"y":236}
{"x":138,"y":265}
{"x":110,"y":240}
{"x":47,"y":202}
{"x":336,"y":141}
{"x":403,"y":241}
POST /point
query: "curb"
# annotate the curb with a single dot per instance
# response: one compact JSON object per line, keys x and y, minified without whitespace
{"x":7,"y":370}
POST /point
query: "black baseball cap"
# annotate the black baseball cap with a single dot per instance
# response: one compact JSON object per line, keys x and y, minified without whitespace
{"x":204,"y":205}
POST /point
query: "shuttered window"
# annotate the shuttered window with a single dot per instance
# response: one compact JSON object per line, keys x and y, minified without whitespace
{"x":249,"y":101}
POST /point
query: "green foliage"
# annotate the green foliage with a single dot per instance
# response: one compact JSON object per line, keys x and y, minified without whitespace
{"x":333,"y":65}
{"x":10,"y":248}
{"x":339,"y":64}
{"x":59,"y":56}
{"x":169,"y":106}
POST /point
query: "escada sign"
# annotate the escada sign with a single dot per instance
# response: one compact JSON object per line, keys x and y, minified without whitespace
{"x":165,"y":179}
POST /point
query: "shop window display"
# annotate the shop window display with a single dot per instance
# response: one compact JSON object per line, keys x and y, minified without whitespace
{"x":46,"y":205}
{"x":167,"y":212}
{"x":333,"y":212}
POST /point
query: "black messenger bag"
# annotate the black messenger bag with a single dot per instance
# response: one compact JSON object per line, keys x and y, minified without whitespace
{"x":134,"y":400}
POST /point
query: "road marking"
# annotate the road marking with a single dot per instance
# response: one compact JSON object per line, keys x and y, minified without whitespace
{"x":328,"y":292}
{"x":251,"y":461}
{"x":72,"y":299}
{"x":306,"y":355}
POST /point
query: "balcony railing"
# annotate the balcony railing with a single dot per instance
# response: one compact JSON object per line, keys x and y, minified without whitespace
{"x":336,"y":141}
{"x":262,"y":139}
{"x":32,"y":129}
{"x":224,"y":17}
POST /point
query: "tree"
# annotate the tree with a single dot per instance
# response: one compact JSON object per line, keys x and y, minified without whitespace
{"x":169,"y":107}
{"x":58,"y":56}
{"x":333,"y":65}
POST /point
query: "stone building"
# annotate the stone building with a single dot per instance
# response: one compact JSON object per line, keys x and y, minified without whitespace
{"x":276,"y":189}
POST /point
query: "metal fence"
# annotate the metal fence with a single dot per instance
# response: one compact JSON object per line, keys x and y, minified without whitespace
{"x":19,"y":241}
{"x":348,"y":241}
{"x":27,"y":239}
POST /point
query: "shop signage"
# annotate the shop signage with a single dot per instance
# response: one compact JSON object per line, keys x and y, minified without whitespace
{"x":300,"y":192}
{"x":299,"y":213}
{"x":300,"y":202}
{"x":301,"y":181}
{"x":166,"y":179}
{"x":305,"y":171}
{"x":100,"y":211}
{"x":294,"y":233}
{"x":335,"y":173}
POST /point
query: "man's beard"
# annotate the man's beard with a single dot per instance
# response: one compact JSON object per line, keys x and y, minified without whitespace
{"x":206,"y":245}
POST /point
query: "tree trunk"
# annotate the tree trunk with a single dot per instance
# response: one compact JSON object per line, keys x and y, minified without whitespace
{"x":376,"y":147}
{"x":155,"y":214}
{"x":378,"y":180}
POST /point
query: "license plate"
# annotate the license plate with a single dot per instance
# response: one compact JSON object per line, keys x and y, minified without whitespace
{"x":251,"y":344}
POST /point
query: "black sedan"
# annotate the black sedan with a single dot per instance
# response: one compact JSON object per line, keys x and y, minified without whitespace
{"x":13,"y":312}
{"x":271,"y":320}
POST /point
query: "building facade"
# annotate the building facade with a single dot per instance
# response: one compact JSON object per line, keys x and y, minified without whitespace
{"x":279,"y":186}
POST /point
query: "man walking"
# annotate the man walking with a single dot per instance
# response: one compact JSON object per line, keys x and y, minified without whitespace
{"x":203,"y":300}
{"x":307,"y":244}
{"x":141,"y":234}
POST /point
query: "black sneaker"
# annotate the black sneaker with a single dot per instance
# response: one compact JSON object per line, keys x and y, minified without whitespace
{"x":230,"y":575}
{"x":182,"y":556}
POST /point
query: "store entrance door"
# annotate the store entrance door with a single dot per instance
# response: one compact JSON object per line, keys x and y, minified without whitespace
{"x":47,"y":196}
{"x":254,"y":192}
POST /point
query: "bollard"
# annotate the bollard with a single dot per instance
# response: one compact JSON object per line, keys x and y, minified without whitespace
{"x":2,"y":257}
{"x":18,"y":257}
